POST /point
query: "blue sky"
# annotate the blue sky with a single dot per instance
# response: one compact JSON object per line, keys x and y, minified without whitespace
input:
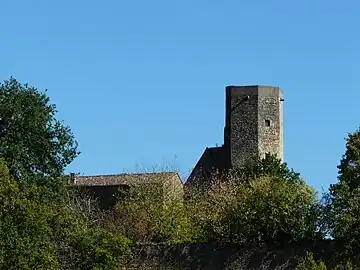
{"x":142,"y":83}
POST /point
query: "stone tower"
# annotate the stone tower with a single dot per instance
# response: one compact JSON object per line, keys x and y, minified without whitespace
{"x":253,"y":127}
{"x":254,"y":122}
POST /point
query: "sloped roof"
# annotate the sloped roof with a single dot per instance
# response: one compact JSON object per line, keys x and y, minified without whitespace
{"x":213,"y":158}
{"x":123,"y":179}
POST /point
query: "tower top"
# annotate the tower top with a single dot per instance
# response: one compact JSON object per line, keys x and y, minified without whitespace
{"x":261,"y":89}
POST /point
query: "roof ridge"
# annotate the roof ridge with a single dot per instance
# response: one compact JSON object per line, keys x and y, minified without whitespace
{"x":126,"y":174}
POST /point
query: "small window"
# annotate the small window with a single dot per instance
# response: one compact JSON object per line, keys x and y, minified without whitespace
{"x":267,"y":123}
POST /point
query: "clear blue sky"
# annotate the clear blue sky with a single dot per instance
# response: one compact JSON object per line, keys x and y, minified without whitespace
{"x":143,"y":82}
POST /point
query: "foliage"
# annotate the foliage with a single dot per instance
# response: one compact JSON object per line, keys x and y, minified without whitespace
{"x":97,"y":248}
{"x":343,"y":200}
{"x":262,"y":210}
{"x":348,"y":265}
{"x":270,"y":165}
{"x":150,"y":214}
{"x":38,"y":233}
{"x":42,"y":226}
{"x":25,"y":231}
{"x":32,"y":141}
{"x":349,"y":167}
{"x":308,"y":263}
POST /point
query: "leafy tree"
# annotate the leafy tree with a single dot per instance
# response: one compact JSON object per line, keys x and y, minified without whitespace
{"x":41,"y":225}
{"x":343,"y":200}
{"x":98,"y":248}
{"x":349,"y":167}
{"x":25,"y":231}
{"x":270,"y":165}
{"x":38,"y":233}
{"x":150,"y":213}
{"x":264,"y":210}
{"x":264,"y":202}
{"x":32,"y":140}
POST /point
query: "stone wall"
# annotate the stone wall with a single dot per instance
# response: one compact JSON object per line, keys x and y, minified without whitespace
{"x":270,"y":121}
{"x":227,"y":256}
{"x":242,"y":121}
{"x":254,"y":122}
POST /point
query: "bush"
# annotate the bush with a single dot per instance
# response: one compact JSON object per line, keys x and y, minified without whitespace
{"x":147,"y":216}
{"x":96,"y":248}
{"x":26,"y":240}
{"x":262,"y":210}
{"x":308,"y":263}
{"x":37,"y":233}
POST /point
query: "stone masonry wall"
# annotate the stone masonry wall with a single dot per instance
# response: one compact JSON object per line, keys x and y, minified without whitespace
{"x":270,"y":121}
{"x":253,"y":122}
{"x":229,"y":256}
{"x":242,"y":113}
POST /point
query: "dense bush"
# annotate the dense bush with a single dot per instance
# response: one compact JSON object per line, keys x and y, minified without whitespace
{"x":265,"y":203}
{"x":39,"y":234}
{"x":308,"y":263}
{"x":147,"y":216}
{"x":263,"y":210}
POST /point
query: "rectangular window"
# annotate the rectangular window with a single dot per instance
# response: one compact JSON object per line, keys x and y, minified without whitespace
{"x":267,"y":123}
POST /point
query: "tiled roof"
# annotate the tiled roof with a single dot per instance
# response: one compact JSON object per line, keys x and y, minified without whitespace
{"x":122,"y":179}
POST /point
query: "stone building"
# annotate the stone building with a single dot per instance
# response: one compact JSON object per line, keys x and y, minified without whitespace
{"x":253,"y":127}
{"x":107,"y":188}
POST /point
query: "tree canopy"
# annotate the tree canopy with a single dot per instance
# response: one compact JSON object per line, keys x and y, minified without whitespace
{"x":343,"y":199}
{"x":41,"y":224}
{"x":270,"y":165}
{"x":32,"y":140}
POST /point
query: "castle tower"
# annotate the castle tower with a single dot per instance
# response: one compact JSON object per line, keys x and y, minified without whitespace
{"x":254,"y":127}
{"x":254,"y":122}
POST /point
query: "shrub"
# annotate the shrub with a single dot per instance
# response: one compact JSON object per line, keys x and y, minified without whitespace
{"x":308,"y":263}
{"x":149,"y":214}
{"x":262,"y":210}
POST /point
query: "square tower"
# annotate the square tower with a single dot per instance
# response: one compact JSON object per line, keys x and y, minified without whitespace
{"x":254,"y":122}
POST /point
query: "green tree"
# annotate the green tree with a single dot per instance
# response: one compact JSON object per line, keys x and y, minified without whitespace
{"x":343,"y":199}
{"x":25,"y":231}
{"x":38,"y":233}
{"x":149,"y":213}
{"x":265,"y":202}
{"x":264,"y":210}
{"x":32,"y":140}
{"x":98,"y":248}
{"x":270,"y":165}
{"x":41,"y":226}
{"x":349,"y":167}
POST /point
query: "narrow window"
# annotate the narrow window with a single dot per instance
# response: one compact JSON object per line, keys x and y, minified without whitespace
{"x":267,"y":123}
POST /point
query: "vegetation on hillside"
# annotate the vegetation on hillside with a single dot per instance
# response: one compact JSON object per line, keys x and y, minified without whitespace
{"x":45,"y":225}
